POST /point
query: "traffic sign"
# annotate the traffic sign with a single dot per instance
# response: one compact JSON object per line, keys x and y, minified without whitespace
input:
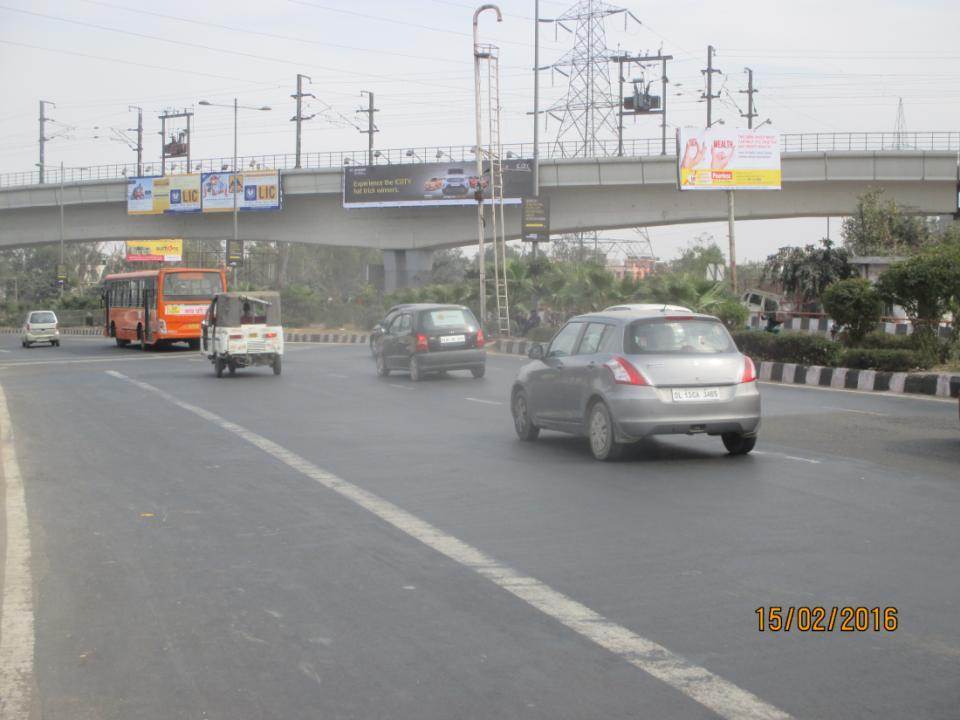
{"x":234,"y":252}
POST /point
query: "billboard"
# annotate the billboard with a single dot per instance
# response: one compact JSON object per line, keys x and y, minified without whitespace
{"x":431,"y":184}
{"x":720,"y":159}
{"x":154,"y":250}
{"x":258,"y":190}
{"x":535,"y":219}
{"x":174,"y":194}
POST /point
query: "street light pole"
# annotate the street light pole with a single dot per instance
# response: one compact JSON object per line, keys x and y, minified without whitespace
{"x":60,"y":267}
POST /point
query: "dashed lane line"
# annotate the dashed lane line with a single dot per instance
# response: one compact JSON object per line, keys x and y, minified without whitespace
{"x":16,"y":616}
{"x":699,"y":684}
{"x":139,"y":358}
{"x":399,"y":387}
{"x":786,"y":457}
{"x":485,"y":402}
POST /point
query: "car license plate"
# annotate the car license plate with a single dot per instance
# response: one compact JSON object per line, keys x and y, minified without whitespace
{"x":452,"y":339}
{"x":696,"y":394}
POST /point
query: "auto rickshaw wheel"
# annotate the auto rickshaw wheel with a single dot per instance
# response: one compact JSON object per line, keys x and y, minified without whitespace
{"x":218,"y":365}
{"x":232,"y":367}
{"x":277,"y":365}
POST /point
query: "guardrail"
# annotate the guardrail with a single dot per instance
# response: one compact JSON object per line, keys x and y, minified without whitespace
{"x":931,"y":141}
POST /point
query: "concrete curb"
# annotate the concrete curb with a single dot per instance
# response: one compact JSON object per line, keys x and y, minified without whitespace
{"x":935,"y":384}
{"x":326,"y":337}
{"x":63,"y":331}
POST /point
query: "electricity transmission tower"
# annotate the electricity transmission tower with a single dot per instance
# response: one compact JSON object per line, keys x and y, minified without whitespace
{"x":900,"y":128}
{"x":589,"y":114}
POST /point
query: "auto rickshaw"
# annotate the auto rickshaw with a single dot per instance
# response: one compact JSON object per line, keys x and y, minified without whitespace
{"x":242,"y":329}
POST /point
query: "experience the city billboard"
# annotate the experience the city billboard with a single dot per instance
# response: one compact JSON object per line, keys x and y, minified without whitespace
{"x":154,"y":250}
{"x":431,"y":184}
{"x":209,"y":192}
{"x":722,"y":159}
{"x":259,"y":190}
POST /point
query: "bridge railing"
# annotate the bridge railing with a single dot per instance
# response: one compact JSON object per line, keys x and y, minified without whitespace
{"x":946,"y":141}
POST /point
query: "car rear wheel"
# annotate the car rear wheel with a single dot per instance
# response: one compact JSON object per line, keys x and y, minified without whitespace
{"x":522,"y":422}
{"x":602,"y":434}
{"x":416,"y":374}
{"x":478,"y":372}
{"x":738,"y":443}
{"x":382,"y":369}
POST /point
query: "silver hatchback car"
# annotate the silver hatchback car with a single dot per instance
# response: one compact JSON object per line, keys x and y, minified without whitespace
{"x":619,"y":376}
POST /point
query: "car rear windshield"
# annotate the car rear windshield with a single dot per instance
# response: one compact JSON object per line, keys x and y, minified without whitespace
{"x":43,"y":317}
{"x":191,"y":286}
{"x":669,"y":336}
{"x":447,"y":319}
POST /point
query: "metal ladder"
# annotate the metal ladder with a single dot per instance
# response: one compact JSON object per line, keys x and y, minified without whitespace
{"x":498,"y":227}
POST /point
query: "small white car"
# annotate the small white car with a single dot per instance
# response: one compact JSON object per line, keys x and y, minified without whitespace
{"x":40,"y":326}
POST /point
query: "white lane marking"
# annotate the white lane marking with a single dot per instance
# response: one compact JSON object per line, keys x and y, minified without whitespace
{"x":400,"y":387}
{"x":713,"y":692}
{"x":4,"y":350}
{"x":16,"y":617}
{"x":859,"y":412}
{"x":485,"y":402}
{"x":786,"y":457}
{"x":872,"y":393}
{"x":29,"y":363}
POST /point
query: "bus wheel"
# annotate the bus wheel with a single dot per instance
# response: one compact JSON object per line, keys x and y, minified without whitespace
{"x":121,"y":342}
{"x":218,"y":366}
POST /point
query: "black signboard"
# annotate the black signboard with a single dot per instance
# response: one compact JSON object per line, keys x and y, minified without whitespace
{"x":234,"y":252}
{"x":432,"y":184}
{"x":535,"y":219}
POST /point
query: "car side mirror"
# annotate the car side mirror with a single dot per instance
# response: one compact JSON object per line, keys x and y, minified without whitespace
{"x":536,"y":352}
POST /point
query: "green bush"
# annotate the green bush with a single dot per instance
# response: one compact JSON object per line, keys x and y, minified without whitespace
{"x":886,"y":360}
{"x":886,"y":341}
{"x":732,"y":313}
{"x":799,"y":348}
{"x":855,"y":305}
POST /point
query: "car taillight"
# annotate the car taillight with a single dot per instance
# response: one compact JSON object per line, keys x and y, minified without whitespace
{"x":480,"y":340}
{"x":236,"y":337}
{"x":422,"y":345}
{"x":269,"y":335}
{"x":624,"y":372}
{"x":749,"y":373}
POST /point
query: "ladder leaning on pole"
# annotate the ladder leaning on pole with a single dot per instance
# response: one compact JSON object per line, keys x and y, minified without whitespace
{"x":494,"y":154}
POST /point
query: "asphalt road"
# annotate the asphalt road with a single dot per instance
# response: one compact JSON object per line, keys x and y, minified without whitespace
{"x":300,"y":547}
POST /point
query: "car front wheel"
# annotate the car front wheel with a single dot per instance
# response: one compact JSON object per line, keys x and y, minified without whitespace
{"x":382,"y":369}
{"x":522,"y":421}
{"x":478,"y":372}
{"x":602,"y":434}
{"x":738,"y":443}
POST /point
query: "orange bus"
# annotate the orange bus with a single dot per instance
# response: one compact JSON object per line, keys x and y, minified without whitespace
{"x":158,"y":307}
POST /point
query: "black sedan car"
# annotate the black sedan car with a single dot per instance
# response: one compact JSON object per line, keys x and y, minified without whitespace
{"x":427,"y":338}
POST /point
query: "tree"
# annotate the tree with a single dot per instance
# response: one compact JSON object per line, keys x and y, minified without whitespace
{"x":926,"y":286}
{"x":702,"y":252}
{"x":449,"y":266}
{"x":855,"y":305}
{"x":806,"y":272}
{"x":879,"y":227}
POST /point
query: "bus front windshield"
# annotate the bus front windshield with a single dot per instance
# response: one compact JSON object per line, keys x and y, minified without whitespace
{"x":191,"y":285}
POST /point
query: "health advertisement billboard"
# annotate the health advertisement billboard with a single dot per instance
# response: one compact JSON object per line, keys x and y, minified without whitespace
{"x":258,"y":190}
{"x":431,"y":184}
{"x":720,"y":159}
{"x":154,"y":250}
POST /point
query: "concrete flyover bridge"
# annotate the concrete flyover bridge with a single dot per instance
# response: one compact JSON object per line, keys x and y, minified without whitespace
{"x":823,"y":173}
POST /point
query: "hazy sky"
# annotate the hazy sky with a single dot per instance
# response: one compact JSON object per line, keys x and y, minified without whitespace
{"x":820,"y":66}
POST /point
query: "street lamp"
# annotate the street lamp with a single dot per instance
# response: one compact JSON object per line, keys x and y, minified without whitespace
{"x":411,"y":153}
{"x":236,"y":176}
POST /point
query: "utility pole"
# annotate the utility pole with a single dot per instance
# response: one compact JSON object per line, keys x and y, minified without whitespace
{"x":139,"y":136}
{"x":371,"y":127}
{"x":536,"y":111}
{"x":750,"y":114}
{"x":43,"y":135}
{"x":709,"y":95}
{"x":61,"y":269}
{"x":299,"y":118}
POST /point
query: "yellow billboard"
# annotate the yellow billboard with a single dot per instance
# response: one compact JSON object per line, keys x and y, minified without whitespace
{"x":170,"y":250}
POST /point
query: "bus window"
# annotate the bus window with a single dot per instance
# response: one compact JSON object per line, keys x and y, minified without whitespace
{"x":191,"y":285}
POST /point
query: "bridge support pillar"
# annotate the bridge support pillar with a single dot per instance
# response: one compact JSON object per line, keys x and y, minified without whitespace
{"x":406,"y":268}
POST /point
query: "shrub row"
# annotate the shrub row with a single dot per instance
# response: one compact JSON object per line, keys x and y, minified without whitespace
{"x":886,"y":360}
{"x":897,"y":355}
